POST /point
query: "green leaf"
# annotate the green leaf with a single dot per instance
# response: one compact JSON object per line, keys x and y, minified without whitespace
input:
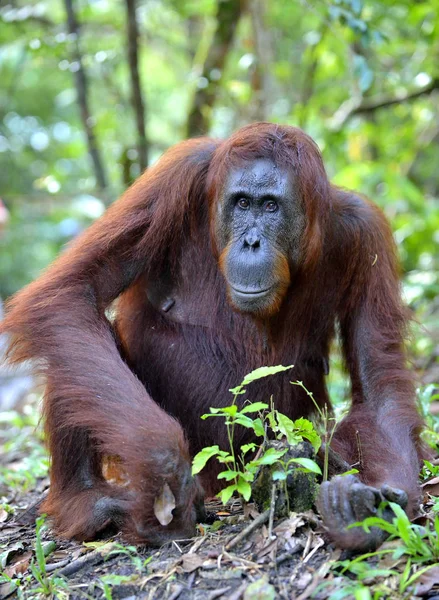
{"x":270,"y":457}
{"x":258,"y":427}
{"x":306,"y":430}
{"x":200,"y":459}
{"x":227,"y":458}
{"x":272,"y":423}
{"x":375,"y":522}
{"x":279,"y":476}
{"x":227,"y":475}
{"x":247,"y":447}
{"x":244,"y":488}
{"x":263,"y":372}
{"x":237,"y":390}
{"x":307,"y":464}
{"x":255,"y":407}
{"x":287,"y":428}
{"x":350,"y":472}
{"x":230,"y":410}
{"x":227,"y":493}
{"x":244,"y":421}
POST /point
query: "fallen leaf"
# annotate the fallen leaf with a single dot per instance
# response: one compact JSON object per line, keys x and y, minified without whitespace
{"x":303,"y":581}
{"x":3,"y":515}
{"x":427,"y":580}
{"x":18,"y":565}
{"x":191,"y":562}
{"x":6,"y":556}
{"x":289,"y":527}
{"x":164,"y":504}
{"x":432,"y":486}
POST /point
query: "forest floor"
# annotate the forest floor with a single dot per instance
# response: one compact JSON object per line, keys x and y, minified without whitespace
{"x":236,"y":557}
{"x":239,"y":556}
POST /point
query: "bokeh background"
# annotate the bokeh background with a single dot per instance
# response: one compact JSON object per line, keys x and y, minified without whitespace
{"x":92,"y":91}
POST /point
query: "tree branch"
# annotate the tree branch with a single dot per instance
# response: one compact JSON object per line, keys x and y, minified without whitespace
{"x":353,"y":106}
{"x":228,"y":14}
{"x":136,"y":89}
{"x":82,"y":92}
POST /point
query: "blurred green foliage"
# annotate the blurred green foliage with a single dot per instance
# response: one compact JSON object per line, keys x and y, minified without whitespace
{"x":324,"y":62}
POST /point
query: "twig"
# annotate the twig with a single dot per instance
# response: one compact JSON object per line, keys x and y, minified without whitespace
{"x":318,"y":545}
{"x":307,"y":545}
{"x":57,"y":565}
{"x":272,"y":507}
{"x":196,"y":545}
{"x":309,"y":590}
{"x":285,"y":556}
{"x":91,"y":559}
{"x":175,"y":594}
{"x":355,"y":106}
{"x":244,"y":561}
{"x":217,"y":593}
{"x":263,"y":518}
{"x":239,"y":592}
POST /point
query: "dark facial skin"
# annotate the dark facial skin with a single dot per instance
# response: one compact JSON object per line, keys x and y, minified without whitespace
{"x":259,"y":225}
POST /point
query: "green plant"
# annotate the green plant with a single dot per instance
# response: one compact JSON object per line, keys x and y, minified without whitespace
{"x":420,"y":543}
{"x":328,"y":425}
{"x":108,"y":581}
{"x":240,"y":471}
{"x":429,"y":470}
{"x":21,"y":436}
{"x":138,"y":561}
{"x":54,"y":586}
{"x":426,"y":395}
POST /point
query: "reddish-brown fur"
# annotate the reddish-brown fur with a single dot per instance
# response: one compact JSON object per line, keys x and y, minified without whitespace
{"x":136,"y":388}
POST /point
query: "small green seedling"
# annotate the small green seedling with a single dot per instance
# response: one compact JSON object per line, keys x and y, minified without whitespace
{"x":241,"y":470}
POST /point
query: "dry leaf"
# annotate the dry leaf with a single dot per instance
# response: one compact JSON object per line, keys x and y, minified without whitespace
{"x":191,"y":562}
{"x":288,"y":527}
{"x":3,"y":515}
{"x":427,"y":580}
{"x":18,"y":565}
{"x":164,"y":504}
{"x":432,"y":486}
{"x":7,"y":555}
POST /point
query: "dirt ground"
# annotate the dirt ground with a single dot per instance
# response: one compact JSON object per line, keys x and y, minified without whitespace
{"x":226,"y":560}
{"x":241,"y":555}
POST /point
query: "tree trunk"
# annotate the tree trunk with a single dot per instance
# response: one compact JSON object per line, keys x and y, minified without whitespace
{"x":82,"y":92}
{"x":136,"y":90}
{"x":260,"y":71}
{"x":228,"y":14}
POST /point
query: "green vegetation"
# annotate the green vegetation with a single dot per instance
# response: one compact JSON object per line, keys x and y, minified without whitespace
{"x":360,"y":77}
{"x":241,"y":471}
{"x":21,"y":440}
